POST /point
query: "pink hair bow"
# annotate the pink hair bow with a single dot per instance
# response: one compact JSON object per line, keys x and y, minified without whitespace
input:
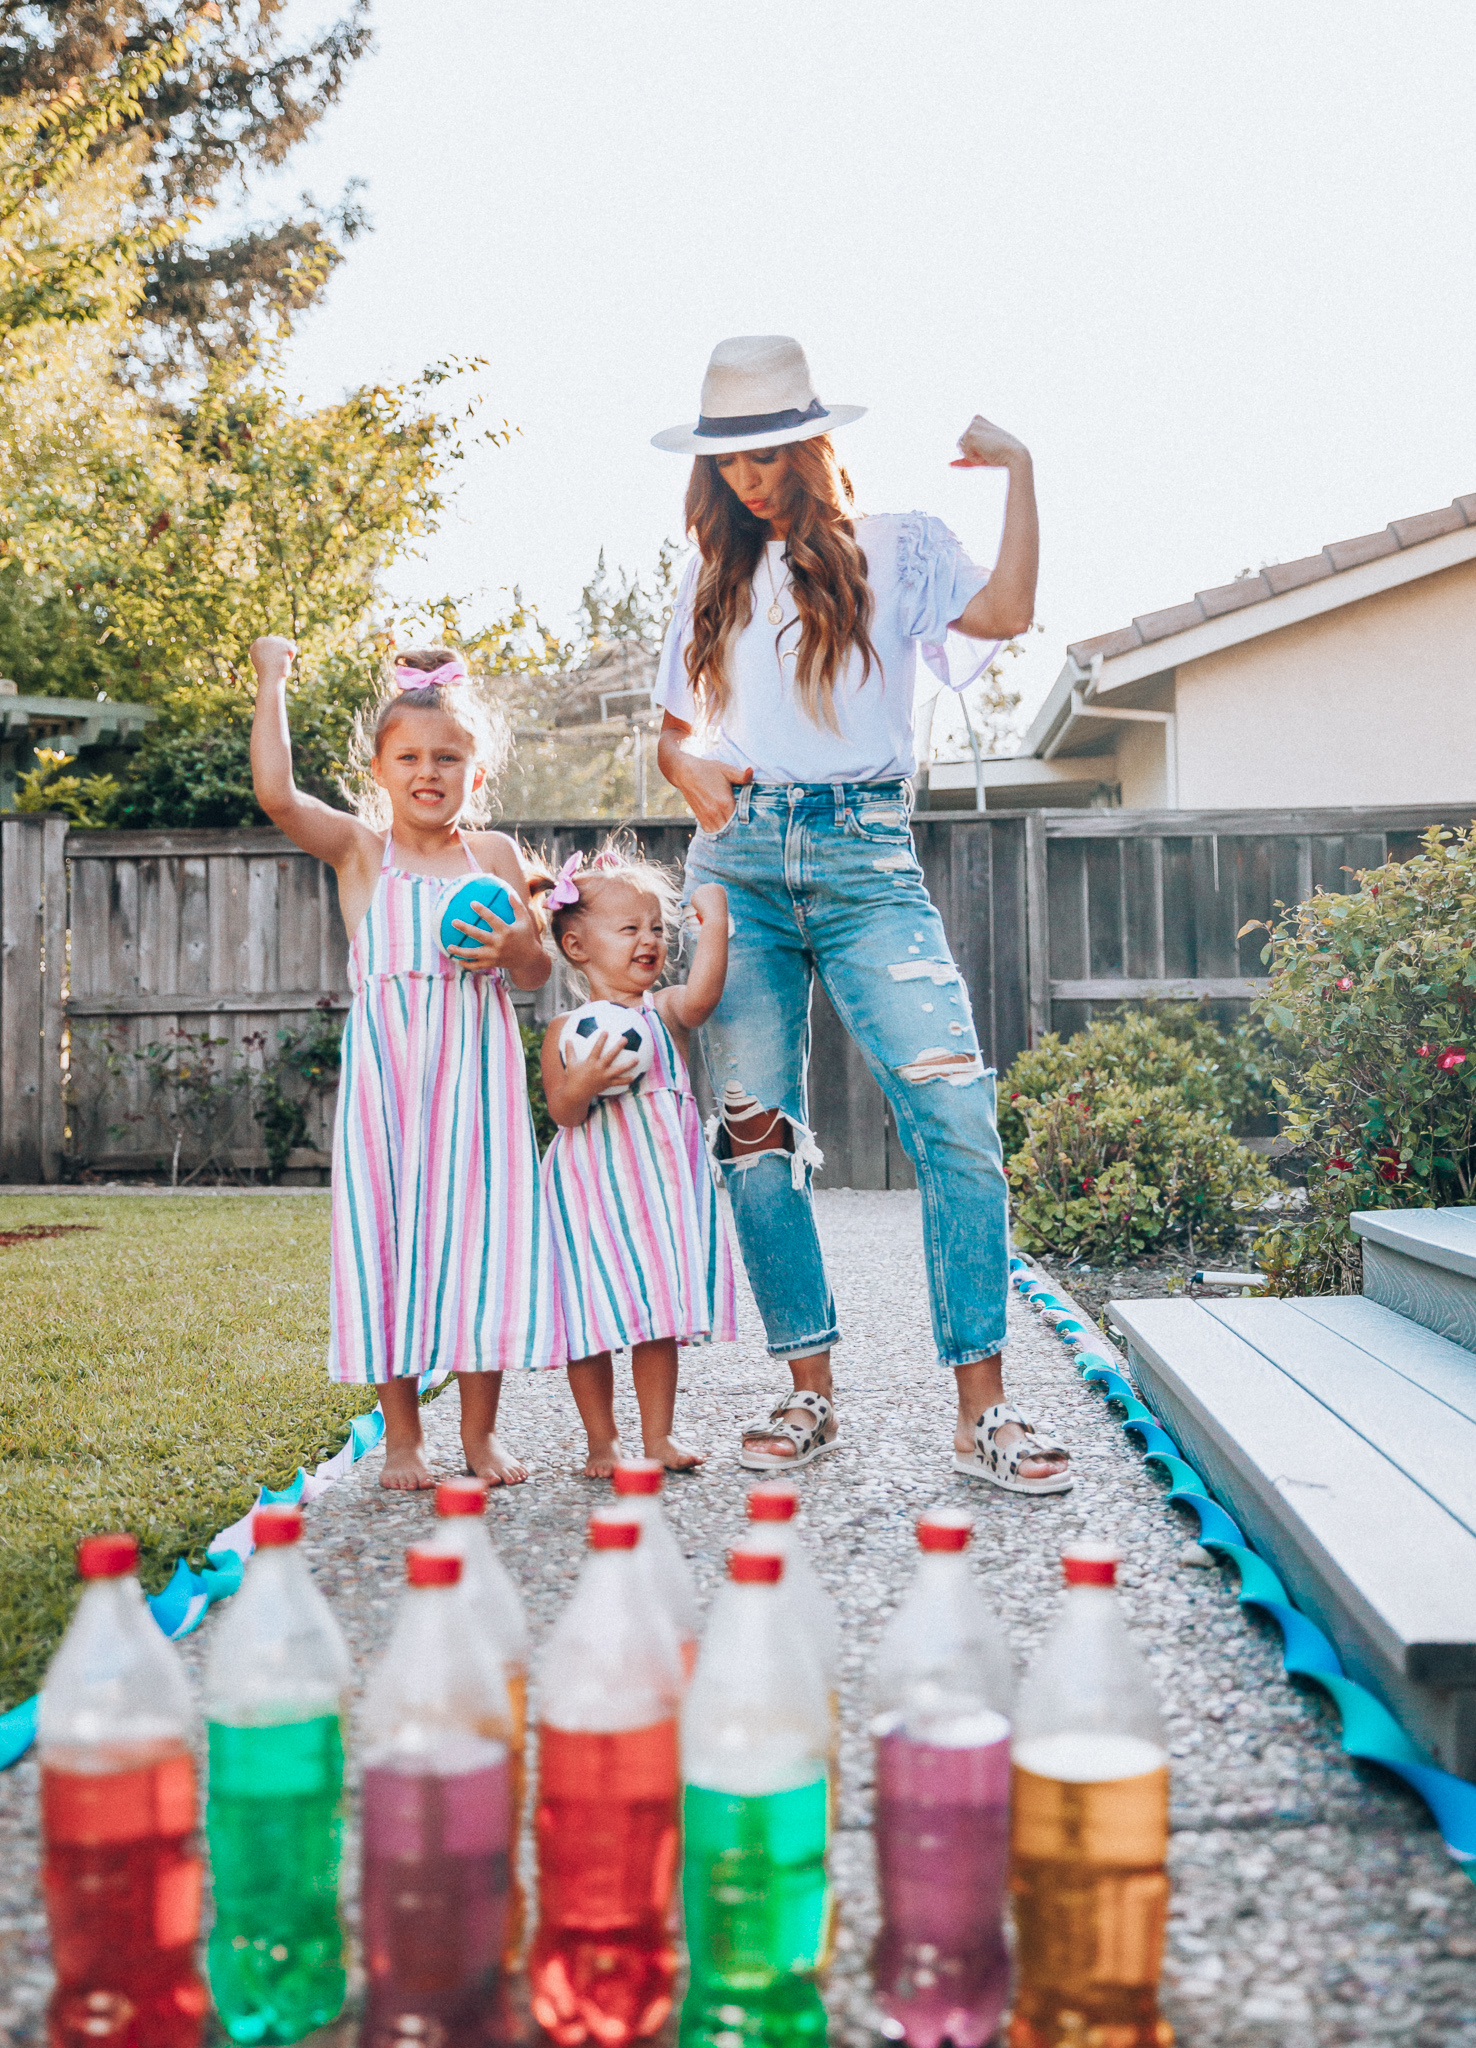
{"x":565,"y":891}
{"x":446,"y":677}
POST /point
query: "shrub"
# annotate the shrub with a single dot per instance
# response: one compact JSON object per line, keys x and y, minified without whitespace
{"x":1226,"y":1074}
{"x":1372,"y":1003}
{"x":305,"y":1068}
{"x":1112,"y":1170}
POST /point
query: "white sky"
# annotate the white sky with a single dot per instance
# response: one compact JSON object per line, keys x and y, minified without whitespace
{"x":1217,"y":265}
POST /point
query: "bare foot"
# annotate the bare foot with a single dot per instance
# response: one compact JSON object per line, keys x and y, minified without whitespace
{"x":405,"y":1471}
{"x":486,"y":1459}
{"x":601,"y":1462}
{"x":676,"y":1457}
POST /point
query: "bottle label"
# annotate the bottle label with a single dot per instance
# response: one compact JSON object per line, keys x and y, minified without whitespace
{"x":632,"y":1764}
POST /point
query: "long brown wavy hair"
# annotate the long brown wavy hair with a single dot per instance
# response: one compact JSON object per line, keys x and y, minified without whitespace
{"x":826,"y":566}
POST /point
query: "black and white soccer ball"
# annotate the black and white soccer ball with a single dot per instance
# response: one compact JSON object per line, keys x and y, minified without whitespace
{"x":631,"y":1026}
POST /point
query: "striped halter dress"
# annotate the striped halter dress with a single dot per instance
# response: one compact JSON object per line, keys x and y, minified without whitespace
{"x":440,"y":1243}
{"x":638,"y":1240}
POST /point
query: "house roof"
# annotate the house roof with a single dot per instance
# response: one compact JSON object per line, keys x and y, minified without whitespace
{"x":1283,"y":594}
{"x":1336,"y":558}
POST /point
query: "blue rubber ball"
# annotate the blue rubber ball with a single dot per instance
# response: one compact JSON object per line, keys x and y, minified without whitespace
{"x":475,"y":889}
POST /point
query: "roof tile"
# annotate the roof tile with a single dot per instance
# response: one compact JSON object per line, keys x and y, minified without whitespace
{"x":1365,"y":547}
{"x":1175,"y":618}
{"x":1426,"y":525}
{"x":1292,"y":575}
{"x":1105,"y":644}
{"x":1467,"y":506}
{"x":1230,"y":597}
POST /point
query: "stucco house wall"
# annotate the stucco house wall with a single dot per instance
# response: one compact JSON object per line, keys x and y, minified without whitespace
{"x":1374,"y":703}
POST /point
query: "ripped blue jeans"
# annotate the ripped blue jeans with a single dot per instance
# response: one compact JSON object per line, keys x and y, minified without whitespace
{"x":822,"y":879}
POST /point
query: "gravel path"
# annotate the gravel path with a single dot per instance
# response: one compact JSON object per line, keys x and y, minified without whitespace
{"x":1312,"y":1900}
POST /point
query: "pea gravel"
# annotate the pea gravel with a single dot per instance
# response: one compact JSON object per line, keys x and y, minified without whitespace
{"x":1312,"y":1900}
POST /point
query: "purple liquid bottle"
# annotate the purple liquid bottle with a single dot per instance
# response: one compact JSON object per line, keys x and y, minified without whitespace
{"x":939,"y":1966}
{"x":436,"y":1811}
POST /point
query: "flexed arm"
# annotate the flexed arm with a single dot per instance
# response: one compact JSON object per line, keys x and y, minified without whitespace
{"x":1006,"y":604}
{"x":316,"y":827}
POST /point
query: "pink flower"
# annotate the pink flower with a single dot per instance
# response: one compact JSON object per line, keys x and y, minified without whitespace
{"x":1450,"y":1059}
{"x":1345,"y":982}
{"x":1424,"y":1051}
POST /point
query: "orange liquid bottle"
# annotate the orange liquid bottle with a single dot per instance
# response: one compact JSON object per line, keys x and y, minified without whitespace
{"x":1089,"y":1831}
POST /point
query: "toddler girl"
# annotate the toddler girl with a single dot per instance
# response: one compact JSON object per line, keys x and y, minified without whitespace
{"x":439,"y":1244}
{"x":641,"y":1253}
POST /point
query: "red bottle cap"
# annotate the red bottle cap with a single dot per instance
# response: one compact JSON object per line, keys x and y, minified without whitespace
{"x":638,"y":1475}
{"x":754,"y":1568}
{"x":777,"y":1503}
{"x":432,"y":1568}
{"x":607,"y":1533}
{"x":276,"y":1525}
{"x":107,"y":1557}
{"x":944,"y":1529}
{"x":1090,"y":1564}
{"x":461,"y":1497}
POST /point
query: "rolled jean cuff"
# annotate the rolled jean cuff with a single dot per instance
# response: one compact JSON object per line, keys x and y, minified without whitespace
{"x":974,"y":1357}
{"x":805,"y":1345}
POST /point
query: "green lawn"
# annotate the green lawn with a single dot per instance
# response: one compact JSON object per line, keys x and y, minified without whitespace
{"x":153,"y":1372}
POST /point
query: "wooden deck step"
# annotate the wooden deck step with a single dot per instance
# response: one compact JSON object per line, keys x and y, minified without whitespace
{"x":1354,"y":1477}
{"x":1422,"y":1264}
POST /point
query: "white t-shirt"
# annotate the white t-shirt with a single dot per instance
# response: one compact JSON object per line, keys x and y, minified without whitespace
{"x":921,"y":579}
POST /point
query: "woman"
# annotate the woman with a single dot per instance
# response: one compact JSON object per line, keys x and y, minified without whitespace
{"x":792,"y":651}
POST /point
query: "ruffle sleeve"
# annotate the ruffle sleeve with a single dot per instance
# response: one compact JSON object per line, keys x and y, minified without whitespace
{"x":672,"y":690}
{"x":935,"y":580}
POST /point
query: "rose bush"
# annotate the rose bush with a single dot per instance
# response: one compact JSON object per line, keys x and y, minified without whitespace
{"x":1372,"y":1005}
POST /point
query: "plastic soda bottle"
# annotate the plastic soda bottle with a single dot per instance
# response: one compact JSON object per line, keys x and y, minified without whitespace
{"x":638,"y":1483}
{"x":756,"y":1821}
{"x":487,"y":1589}
{"x":1089,"y":1829}
{"x":772,"y":1509}
{"x":603,"y":1961}
{"x":436,"y":1804}
{"x":943,"y":1688}
{"x":276,"y":1690}
{"x":121,"y":1874}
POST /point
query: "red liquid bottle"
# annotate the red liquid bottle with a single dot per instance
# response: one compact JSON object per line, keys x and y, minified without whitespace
{"x":436,"y":1811}
{"x":121,"y":1875}
{"x":943,"y":1687}
{"x":603,"y":1962}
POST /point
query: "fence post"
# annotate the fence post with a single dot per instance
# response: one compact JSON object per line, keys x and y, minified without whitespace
{"x":55,"y":919}
{"x":32,"y":949}
{"x":1037,"y":925}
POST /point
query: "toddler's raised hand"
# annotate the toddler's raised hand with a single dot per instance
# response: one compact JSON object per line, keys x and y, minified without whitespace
{"x":709,"y":900}
{"x":272,"y":657}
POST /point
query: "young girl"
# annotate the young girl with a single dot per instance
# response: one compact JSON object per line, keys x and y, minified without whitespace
{"x":439,"y":1243}
{"x":641,"y":1253}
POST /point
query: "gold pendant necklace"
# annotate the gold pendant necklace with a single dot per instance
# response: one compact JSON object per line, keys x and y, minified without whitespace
{"x":775,"y":613}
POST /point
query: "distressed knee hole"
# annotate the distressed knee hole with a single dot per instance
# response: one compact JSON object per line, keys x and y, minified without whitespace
{"x":939,"y":1063}
{"x":744,"y":1131}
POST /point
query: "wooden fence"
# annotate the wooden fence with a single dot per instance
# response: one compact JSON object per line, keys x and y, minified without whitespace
{"x":112,"y":942}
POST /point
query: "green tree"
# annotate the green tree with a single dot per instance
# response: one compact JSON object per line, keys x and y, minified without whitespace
{"x":235,"y":101}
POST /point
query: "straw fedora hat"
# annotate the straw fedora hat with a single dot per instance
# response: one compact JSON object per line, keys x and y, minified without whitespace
{"x":758,"y":393}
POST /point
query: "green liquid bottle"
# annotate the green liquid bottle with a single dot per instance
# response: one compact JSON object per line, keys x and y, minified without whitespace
{"x":274,"y":1822}
{"x":275,"y":1686}
{"x":756,"y":1822}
